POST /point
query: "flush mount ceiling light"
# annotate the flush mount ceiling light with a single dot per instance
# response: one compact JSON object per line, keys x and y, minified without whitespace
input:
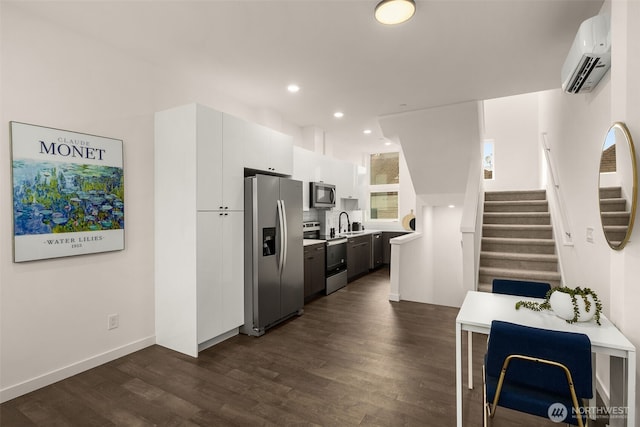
{"x":392,"y":12}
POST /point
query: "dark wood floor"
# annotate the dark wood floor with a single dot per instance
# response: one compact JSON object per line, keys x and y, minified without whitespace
{"x":353,"y":358}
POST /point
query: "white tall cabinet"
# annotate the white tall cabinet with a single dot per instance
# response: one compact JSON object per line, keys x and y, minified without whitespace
{"x":199,"y":258}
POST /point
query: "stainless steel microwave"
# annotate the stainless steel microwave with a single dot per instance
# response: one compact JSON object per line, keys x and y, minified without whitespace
{"x":322,"y":195}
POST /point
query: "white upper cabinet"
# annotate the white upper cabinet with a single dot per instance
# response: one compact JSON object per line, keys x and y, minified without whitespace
{"x":311,"y":167}
{"x":280,"y":152}
{"x":345,"y":177}
{"x":219,"y":164}
{"x":304,"y":163}
{"x":265,"y":149}
{"x":208,"y":159}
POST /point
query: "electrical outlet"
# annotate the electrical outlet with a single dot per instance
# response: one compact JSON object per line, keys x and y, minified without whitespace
{"x":113,"y":321}
{"x":590,"y":234}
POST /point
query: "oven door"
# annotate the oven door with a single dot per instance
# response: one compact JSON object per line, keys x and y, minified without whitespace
{"x":336,"y":256}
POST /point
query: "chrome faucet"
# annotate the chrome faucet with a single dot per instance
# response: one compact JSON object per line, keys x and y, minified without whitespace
{"x":340,"y":223}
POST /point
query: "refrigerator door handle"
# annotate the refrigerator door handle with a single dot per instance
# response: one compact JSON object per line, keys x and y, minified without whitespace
{"x":281,"y":225}
{"x":285,"y":237}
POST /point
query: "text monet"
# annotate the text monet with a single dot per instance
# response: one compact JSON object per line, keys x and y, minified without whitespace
{"x":66,"y":149}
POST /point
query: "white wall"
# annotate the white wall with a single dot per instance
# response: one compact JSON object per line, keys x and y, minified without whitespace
{"x":575,"y":144}
{"x":576,"y":126}
{"x":54,"y":312}
{"x":512,"y":124}
{"x":625,"y":106}
{"x":439,"y":145}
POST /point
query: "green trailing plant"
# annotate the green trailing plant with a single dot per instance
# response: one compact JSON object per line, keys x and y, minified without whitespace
{"x":574,"y":293}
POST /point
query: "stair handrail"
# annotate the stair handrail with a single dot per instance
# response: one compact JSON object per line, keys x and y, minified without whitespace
{"x":567,"y":239}
{"x":471,"y":225}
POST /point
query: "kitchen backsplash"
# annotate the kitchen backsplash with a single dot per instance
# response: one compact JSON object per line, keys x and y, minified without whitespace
{"x":329,"y":219}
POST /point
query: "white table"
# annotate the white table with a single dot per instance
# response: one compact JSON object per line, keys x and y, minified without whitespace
{"x":479,"y":309}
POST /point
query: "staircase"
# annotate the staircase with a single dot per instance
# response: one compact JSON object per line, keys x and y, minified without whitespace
{"x":517,"y":239}
{"x":615,"y":217}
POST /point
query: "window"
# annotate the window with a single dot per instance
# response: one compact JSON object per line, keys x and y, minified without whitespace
{"x":488,"y":165}
{"x":384,"y":185}
{"x":608,"y":158}
{"x":385,"y":169}
{"x":384,"y":205}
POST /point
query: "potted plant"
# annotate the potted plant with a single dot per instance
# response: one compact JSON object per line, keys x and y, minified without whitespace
{"x":571,"y":304}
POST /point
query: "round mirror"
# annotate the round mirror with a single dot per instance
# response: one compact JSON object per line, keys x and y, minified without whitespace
{"x":617,"y":186}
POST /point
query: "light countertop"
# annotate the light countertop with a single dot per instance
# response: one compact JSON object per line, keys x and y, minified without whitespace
{"x":307,"y":242}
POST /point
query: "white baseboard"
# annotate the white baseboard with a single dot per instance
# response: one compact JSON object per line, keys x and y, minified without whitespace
{"x":394,"y":297}
{"x":217,"y":340}
{"x":32,"y":384}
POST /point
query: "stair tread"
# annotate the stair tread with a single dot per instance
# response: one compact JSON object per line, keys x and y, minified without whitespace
{"x":519,"y":256}
{"x":615,"y":227}
{"x":519,"y":202}
{"x":507,"y":272}
{"x":518,"y":240}
{"x":500,"y":214}
{"x":519,"y":226}
{"x":616,"y":213}
{"x":485,"y":287}
{"x":516,"y":194}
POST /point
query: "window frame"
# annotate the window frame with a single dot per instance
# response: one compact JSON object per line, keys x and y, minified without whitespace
{"x":382,"y":188}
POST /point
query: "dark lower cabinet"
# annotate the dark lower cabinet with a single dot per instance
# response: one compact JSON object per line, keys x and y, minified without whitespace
{"x":314,"y":271}
{"x":377,"y":251}
{"x":358,"y":256}
{"x":386,"y":246}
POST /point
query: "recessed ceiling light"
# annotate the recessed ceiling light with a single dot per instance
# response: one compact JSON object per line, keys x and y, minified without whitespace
{"x":367,"y":131}
{"x":293,"y":88}
{"x":338,"y":114}
{"x":391,"y":12}
{"x":451,"y":206}
{"x":387,"y":143}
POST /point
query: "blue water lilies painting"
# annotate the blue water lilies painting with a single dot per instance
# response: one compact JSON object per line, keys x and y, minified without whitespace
{"x":68,"y":193}
{"x":66,"y":197}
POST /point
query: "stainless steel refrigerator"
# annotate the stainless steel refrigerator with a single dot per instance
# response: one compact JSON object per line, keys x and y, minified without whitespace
{"x":274,"y":269}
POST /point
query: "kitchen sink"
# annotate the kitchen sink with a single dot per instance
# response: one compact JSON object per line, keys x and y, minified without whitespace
{"x":351,"y":233}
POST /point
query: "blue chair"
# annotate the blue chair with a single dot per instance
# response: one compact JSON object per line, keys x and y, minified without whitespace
{"x":521,"y":288}
{"x":537,"y":371}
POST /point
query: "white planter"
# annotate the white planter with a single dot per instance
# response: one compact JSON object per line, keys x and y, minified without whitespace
{"x":562,"y":306}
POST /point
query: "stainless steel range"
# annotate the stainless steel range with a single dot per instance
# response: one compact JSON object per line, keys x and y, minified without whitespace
{"x":311,"y":230}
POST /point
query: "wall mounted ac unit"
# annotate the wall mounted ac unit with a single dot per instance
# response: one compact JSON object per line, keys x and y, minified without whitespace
{"x":590,"y":56}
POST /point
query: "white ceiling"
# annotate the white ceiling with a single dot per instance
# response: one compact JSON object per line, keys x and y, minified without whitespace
{"x":451,"y":51}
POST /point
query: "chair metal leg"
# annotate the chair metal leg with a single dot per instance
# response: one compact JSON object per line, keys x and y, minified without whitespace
{"x":503,"y":372}
{"x":485,"y":405}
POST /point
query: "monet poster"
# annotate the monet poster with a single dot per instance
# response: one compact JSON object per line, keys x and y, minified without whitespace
{"x":68,"y":193}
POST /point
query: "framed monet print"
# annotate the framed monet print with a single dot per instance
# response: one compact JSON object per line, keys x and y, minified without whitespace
{"x":68,"y":193}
